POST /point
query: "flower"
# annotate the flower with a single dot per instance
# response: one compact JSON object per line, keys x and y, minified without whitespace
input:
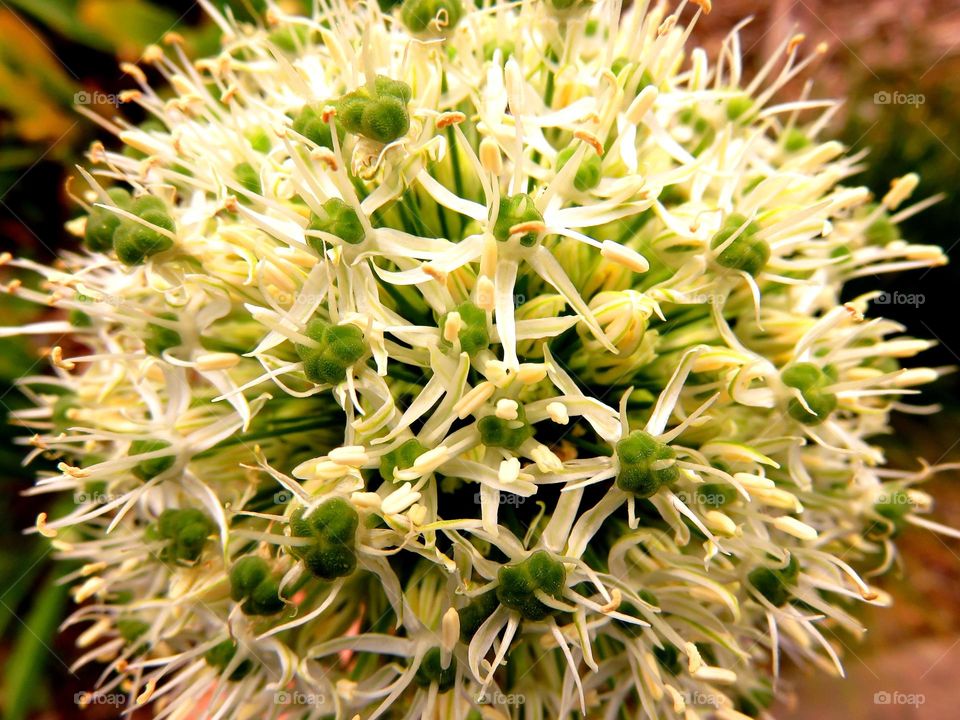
{"x":437,"y":357}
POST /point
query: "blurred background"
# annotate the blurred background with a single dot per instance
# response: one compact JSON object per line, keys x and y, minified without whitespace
{"x":898,"y":66}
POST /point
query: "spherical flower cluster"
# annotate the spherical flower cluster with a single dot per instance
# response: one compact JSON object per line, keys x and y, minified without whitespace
{"x":461,"y":361}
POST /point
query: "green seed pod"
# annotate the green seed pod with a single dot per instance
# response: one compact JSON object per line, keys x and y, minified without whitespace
{"x":810,"y":381}
{"x":739,"y":107}
{"x":518,"y":584}
{"x":400,"y":458}
{"x":882,"y":231}
{"x":645,"y":464}
{"x":248,"y":177}
{"x":385,"y":119}
{"x":771,"y":585}
{"x":291,"y":39}
{"x":132,"y":629}
{"x":430,"y":671}
{"x":333,"y":528}
{"x":149,"y":469}
{"x":188,"y":530}
{"x":774,"y":583}
{"x":747,"y":253}
{"x":350,"y":109}
{"x":396,"y":88}
{"x":566,"y":9}
{"x":588,"y":174}
{"x":514,"y":210}
{"x":133,"y":242}
{"x":509,"y":434}
{"x":259,"y":140}
{"x":431,"y":17}
{"x":340,"y":220}
{"x":669,"y":658}
{"x":795,"y":140}
{"x":473,"y":334}
{"x":246,"y":574}
{"x":160,"y":338}
{"x":309,"y":123}
{"x":264,"y":600}
{"x":475,"y":613}
{"x":220,"y":655}
{"x":102,"y":223}
{"x":340,"y":347}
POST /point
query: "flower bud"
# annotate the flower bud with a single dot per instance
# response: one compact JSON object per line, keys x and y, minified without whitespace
{"x":400,"y":458}
{"x":220,"y":656}
{"x":747,"y":252}
{"x":509,"y":434}
{"x":340,"y":346}
{"x":338,"y":219}
{"x":149,"y":469}
{"x":431,"y":17}
{"x":332,"y":526}
{"x":645,"y":464}
{"x":588,"y":174}
{"x":514,"y":210}
{"x":518,"y":585}
{"x":431,"y":671}
{"x":809,"y":380}
{"x":250,"y":582}
{"x":102,"y":223}
{"x":473,"y":333}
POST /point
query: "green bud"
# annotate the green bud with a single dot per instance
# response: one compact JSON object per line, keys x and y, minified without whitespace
{"x":430,"y":671}
{"x":810,"y":381}
{"x":250,"y":581}
{"x":259,"y":140}
{"x":133,"y":242}
{"x":418,"y":16}
{"x":264,"y":600}
{"x":738,"y":107}
{"x":473,"y":334}
{"x":221,"y":654}
{"x":881,"y":231}
{"x":333,"y":528}
{"x":188,"y":529}
{"x":514,"y":210}
{"x":588,"y":174}
{"x":475,"y":613}
{"x":59,"y":415}
{"x":509,"y":434}
{"x":338,"y":219}
{"x":248,"y":177}
{"x":774,"y":583}
{"x":400,"y":458}
{"x":340,"y":346}
{"x":747,"y":253}
{"x":350,"y":109}
{"x":518,"y":584}
{"x":396,"y":88}
{"x":160,"y":338}
{"x":102,"y":223}
{"x":645,"y":464}
{"x":566,"y":9}
{"x":246,"y":574}
{"x":131,"y":629}
{"x":291,"y":39}
{"x":769,"y":584}
{"x":385,"y":119}
{"x":149,"y":469}
{"x":795,"y":140}
{"x":309,"y":123}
